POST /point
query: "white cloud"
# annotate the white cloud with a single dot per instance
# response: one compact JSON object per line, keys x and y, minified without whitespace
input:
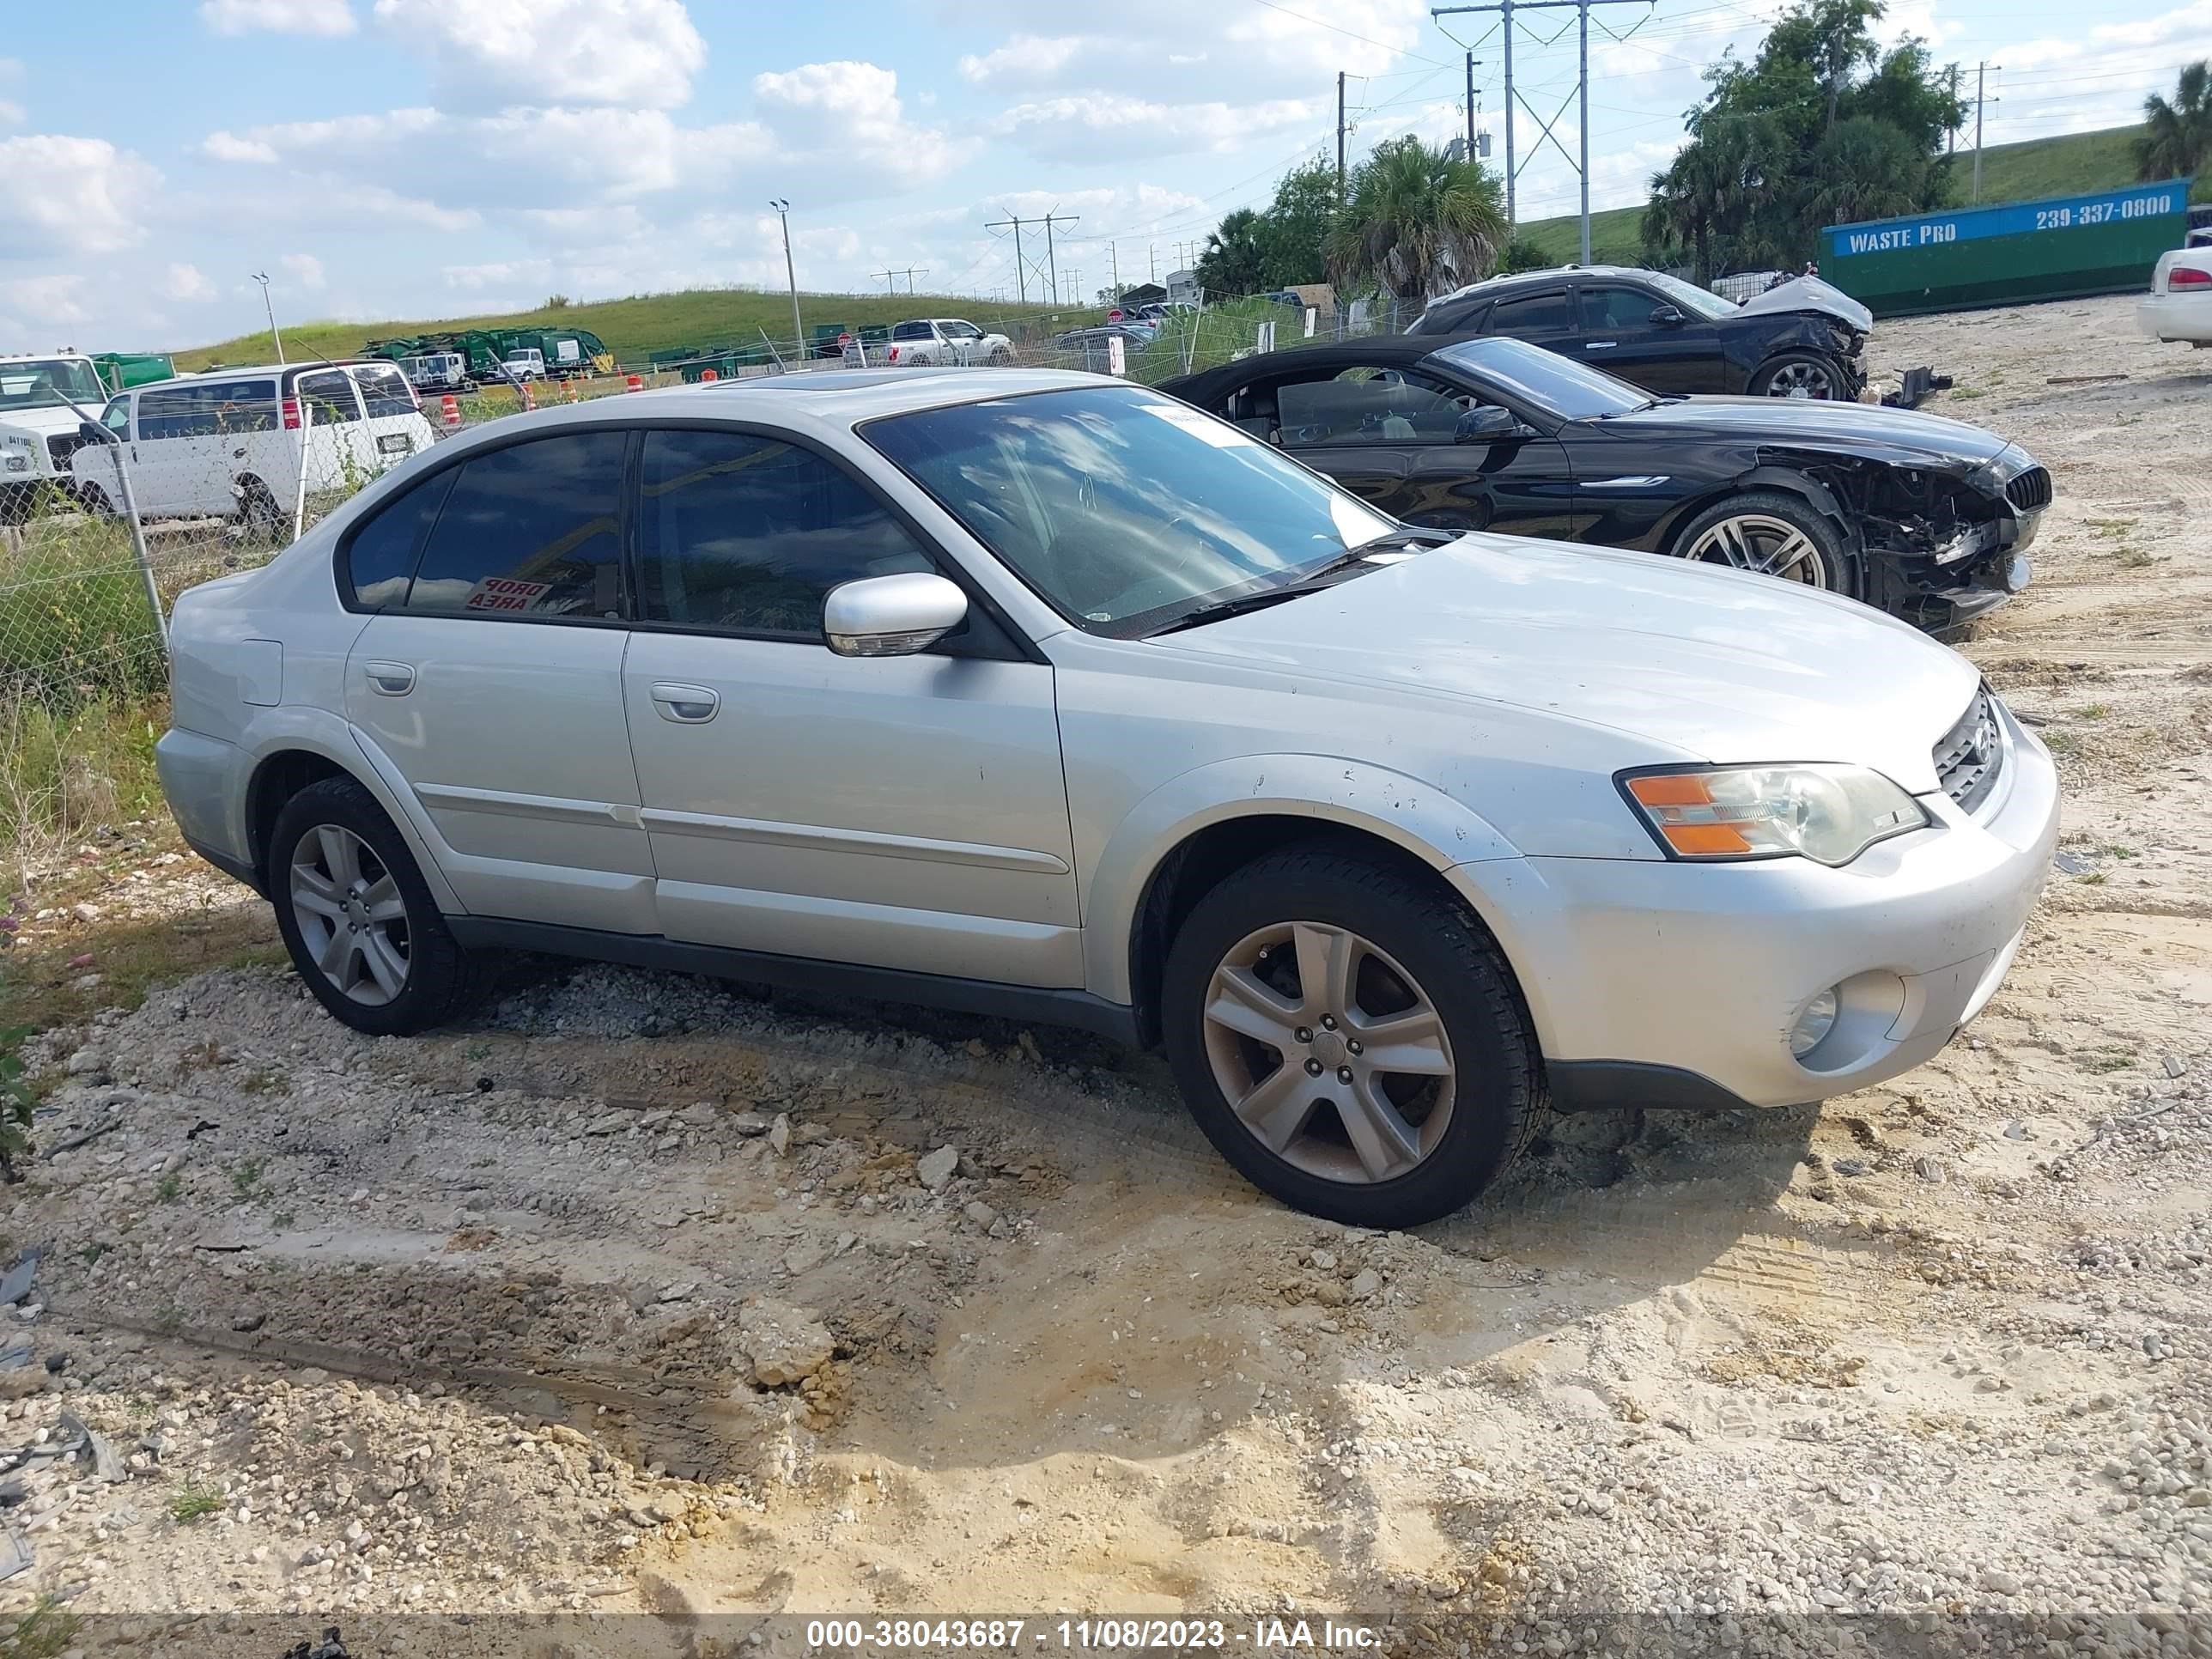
{"x":228,"y":147}
{"x":1085,"y":126}
{"x":852,"y":110}
{"x":71,"y":195}
{"x":306,"y":269}
{"x":640,"y":53}
{"x":499,"y":273}
{"x":11,"y":115}
{"x":53,"y":300}
{"x":325,"y":17}
{"x":186,"y":282}
{"x":1033,"y":60}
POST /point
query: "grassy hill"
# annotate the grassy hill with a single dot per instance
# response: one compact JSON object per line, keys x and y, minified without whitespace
{"x":643,"y":323}
{"x":2070,"y":165}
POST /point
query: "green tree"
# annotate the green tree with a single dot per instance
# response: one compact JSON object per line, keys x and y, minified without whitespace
{"x":1416,"y":222}
{"x":2177,"y":138}
{"x":1710,"y":200}
{"x":1232,"y":262}
{"x":1294,"y":228}
{"x":1864,"y":168}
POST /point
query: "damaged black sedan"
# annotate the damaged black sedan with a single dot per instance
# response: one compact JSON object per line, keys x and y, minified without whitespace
{"x":1923,"y":517}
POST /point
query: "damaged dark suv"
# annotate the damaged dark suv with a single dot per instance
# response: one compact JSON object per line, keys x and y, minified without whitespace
{"x":1923,"y":517}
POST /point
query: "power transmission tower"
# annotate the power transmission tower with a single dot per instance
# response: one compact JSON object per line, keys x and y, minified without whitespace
{"x":1505,"y":9}
{"x":1047,"y":274}
{"x":910,"y":271}
{"x":890,"y":287}
{"x":1981,"y":79}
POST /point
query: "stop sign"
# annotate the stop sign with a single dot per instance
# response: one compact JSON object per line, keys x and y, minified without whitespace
{"x":844,"y":339}
{"x":1114,"y":315}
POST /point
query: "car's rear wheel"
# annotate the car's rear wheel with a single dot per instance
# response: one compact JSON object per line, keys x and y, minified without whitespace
{"x":360,"y":921}
{"x":1349,"y":1038}
{"x":93,"y":500}
{"x":1801,"y":374}
{"x":259,"y":509}
{"x":1001,"y":356}
{"x":1772,"y":534}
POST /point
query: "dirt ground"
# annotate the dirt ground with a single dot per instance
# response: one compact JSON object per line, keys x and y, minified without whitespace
{"x":641,"y":1293}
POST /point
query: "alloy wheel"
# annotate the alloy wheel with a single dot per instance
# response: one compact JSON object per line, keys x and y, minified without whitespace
{"x":350,"y":914}
{"x":1329,"y":1053}
{"x":1765,"y":546}
{"x":1801,"y":379}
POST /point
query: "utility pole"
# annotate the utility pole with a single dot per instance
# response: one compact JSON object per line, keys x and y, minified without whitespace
{"x":1152,"y":262}
{"x":1981,"y":78}
{"x":1470,"y":106}
{"x":890,"y":287}
{"x":1505,"y":9}
{"x":797,"y":330}
{"x":1051,"y":268}
{"x":1951,"y":85}
{"x":262,"y":277}
{"x":910,"y":270}
{"x":1113,"y":254}
{"x":1339,"y":132}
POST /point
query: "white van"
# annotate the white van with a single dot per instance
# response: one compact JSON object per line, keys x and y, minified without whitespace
{"x":231,"y":442}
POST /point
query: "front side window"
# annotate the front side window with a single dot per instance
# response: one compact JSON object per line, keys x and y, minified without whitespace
{"x":1538,"y":314}
{"x":1609,"y":310}
{"x":330,"y":395}
{"x":1694,"y":301}
{"x":1123,"y":507}
{"x":1368,"y":406}
{"x":529,"y":531}
{"x":749,"y":535}
{"x":1521,"y":373}
{"x":116,"y":418}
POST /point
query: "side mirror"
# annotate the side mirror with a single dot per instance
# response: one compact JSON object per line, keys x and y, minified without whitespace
{"x":93,"y":433}
{"x":1667,"y":316}
{"x":891,"y":615}
{"x":1486,"y":424}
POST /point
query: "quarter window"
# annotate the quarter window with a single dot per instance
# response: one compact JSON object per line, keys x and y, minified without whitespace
{"x":529,"y":531}
{"x":380,"y":556}
{"x":747,"y":534}
{"x":1537,"y":314}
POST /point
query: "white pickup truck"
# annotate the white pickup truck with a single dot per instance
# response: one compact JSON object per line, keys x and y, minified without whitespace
{"x":942,"y":340}
{"x":40,"y":393}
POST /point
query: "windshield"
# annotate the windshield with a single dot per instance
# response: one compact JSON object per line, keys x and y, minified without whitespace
{"x":1558,"y":385}
{"x":40,"y":382}
{"x":1698,"y":301}
{"x":1124,"y":508}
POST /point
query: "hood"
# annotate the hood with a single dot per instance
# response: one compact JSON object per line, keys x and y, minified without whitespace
{"x":1706,"y":664}
{"x":1868,"y":428}
{"x":42,"y":422}
{"x":1811,"y":294}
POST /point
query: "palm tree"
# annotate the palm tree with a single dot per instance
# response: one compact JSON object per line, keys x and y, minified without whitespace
{"x":1864,"y":168}
{"x":1717,"y":186}
{"x":1416,"y":221}
{"x":1234,"y":257}
{"x":2177,"y":138}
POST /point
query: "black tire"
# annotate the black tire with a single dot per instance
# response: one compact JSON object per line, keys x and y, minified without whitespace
{"x":1842,"y":567}
{"x":93,"y":500}
{"x":1001,"y":356}
{"x":442,"y":980}
{"x":1497,"y":1095}
{"x":1798,"y":374}
{"x":258,"y":510}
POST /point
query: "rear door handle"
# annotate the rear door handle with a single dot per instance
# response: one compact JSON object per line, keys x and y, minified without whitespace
{"x":390,"y":679}
{"x":686,"y":705}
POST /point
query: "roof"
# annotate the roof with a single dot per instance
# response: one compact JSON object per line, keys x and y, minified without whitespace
{"x":1531,"y":278}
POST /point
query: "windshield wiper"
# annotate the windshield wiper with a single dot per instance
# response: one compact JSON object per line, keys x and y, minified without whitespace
{"x":1406,"y":535}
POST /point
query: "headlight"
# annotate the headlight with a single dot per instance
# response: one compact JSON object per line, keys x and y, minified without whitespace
{"x":1830,"y":814}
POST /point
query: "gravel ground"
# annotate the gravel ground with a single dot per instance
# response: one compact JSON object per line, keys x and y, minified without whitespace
{"x":640,"y":1293}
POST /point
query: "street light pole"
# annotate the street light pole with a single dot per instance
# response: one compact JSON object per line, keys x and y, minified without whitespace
{"x":262,"y":277}
{"x":798,"y":332}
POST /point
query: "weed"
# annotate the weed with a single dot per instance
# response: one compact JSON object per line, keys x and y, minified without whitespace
{"x":1963,"y":393}
{"x":2060,"y":742}
{"x":170,"y":1188}
{"x":2132,"y":558}
{"x":48,"y":1630}
{"x":2093,"y":878}
{"x":17,"y":1101}
{"x":2113,"y":849}
{"x":2095,"y":711}
{"x":246,"y":1177}
{"x":2112,"y":529}
{"x":265,"y":1080}
{"x":191,"y":1501}
{"x":2105,"y":1057}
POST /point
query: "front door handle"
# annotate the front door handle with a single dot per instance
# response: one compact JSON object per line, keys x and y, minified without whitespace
{"x":687,"y":705}
{"x":1600,"y":345}
{"x":390,"y":679}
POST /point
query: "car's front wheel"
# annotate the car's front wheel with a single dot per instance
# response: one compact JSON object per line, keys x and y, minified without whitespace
{"x":1801,"y":374}
{"x":1772,"y":534}
{"x":1350,"y":1038}
{"x":362,"y":925}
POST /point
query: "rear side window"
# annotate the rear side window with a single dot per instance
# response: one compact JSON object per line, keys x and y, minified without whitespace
{"x":1605,"y":309}
{"x":207,"y":409}
{"x":380,"y":556}
{"x":1537,"y":314}
{"x":910,"y":331}
{"x":748,"y":534}
{"x":384,"y":390}
{"x":529,"y":531}
{"x":330,"y":394}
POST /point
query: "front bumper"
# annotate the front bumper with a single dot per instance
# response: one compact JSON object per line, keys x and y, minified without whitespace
{"x":1678,"y":983}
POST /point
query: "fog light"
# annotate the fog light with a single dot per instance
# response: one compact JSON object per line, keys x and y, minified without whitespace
{"x":1815,"y":1022}
{"x":2018,"y":573}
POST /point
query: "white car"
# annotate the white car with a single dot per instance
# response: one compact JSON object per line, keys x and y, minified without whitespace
{"x":40,"y":394}
{"x":232,"y":442}
{"x":2179,"y":304}
{"x":935,"y":342}
{"x":1048,"y":696}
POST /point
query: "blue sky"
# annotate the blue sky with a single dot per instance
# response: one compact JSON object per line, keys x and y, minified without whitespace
{"x":422,"y":158}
